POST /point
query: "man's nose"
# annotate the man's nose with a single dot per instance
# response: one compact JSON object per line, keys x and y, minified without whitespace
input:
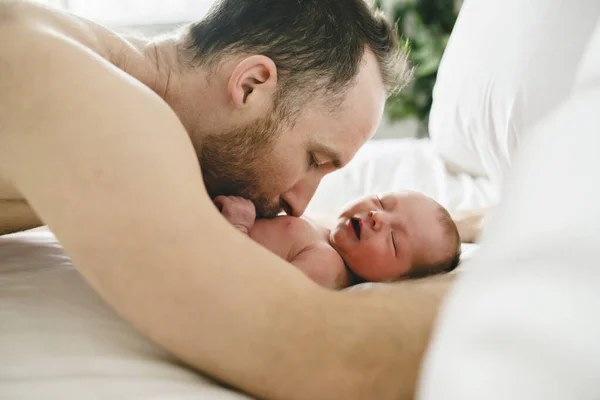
{"x":300,"y":195}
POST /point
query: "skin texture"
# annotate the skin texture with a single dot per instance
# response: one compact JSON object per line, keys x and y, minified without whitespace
{"x":99,"y":139}
{"x":379,"y":238}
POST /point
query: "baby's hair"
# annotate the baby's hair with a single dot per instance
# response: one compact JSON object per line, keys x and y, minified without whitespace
{"x":447,"y":264}
{"x":451,"y":232}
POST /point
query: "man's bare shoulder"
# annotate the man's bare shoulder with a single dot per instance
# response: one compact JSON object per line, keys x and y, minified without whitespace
{"x":53,"y":86}
{"x":36,"y":65}
{"x":30,"y":32}
{"x":9,"y":10}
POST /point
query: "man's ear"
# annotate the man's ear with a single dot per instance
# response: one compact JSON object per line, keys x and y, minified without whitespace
{"x":253,"y":80}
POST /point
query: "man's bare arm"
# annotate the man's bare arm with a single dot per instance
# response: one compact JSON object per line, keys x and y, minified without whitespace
{"x":108,"y":166}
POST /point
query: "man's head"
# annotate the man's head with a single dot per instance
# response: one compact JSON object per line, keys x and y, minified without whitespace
{"x":386,"y":237}
{"x":278,"y":93}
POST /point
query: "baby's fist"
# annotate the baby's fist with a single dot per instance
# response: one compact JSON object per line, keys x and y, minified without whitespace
{"x":240,"y":212}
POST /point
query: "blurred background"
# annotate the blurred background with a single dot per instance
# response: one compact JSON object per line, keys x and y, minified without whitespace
{"x":424,"y":24}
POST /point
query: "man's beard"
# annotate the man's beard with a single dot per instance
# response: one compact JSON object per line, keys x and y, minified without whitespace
{"x":232,"y":163}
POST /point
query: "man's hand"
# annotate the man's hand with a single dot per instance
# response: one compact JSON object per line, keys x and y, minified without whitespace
{"x":240,"y":212}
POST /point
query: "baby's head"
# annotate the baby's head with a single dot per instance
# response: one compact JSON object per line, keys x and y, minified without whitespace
{"x":394,"y":235}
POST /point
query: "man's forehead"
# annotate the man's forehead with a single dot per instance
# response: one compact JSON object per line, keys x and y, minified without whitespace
{"x":340,"y":140}
{"x":340,"y":134}
{"x":336,"y":147}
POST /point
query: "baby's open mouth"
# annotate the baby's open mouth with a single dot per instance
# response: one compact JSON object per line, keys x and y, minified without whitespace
{"x":356,"y":226}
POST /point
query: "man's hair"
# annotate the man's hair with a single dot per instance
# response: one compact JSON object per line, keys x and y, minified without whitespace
{"x":317,"y":45}
{"x":451,"y":261}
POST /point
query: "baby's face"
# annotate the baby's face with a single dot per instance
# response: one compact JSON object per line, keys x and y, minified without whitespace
{"x":382,"y":237}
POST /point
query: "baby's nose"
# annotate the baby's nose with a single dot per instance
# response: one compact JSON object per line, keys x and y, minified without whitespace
{"x":377,"y":219}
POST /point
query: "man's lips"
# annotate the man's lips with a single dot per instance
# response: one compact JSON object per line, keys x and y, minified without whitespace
{"x":286,"y":207}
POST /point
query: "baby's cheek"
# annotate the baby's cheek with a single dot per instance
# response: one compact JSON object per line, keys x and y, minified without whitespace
{"x":402,"y":268}
{"x":372,"y":266}
{"x":388,"y":271}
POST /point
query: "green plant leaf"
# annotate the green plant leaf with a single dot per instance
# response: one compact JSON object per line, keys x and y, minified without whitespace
{"x":424,"y":27}
{"x":428,"y":67}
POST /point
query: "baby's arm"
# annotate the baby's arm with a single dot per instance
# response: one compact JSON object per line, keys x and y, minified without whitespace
{"x":240,"y":212}
{"x":323,"y":264}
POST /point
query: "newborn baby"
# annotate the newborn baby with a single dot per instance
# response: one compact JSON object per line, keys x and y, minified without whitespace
{"x":377,"y":238}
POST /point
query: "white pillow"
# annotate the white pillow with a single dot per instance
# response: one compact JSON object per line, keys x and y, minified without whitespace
{"x":508,"y":64}
{"x":522,"y":322}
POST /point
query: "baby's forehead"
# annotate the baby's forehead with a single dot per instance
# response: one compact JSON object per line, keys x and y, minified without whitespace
{"x":406,"y":197}
{"x":401,"y":202}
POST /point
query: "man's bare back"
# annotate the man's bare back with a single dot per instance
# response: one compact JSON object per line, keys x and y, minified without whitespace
{"x":28,"y":28}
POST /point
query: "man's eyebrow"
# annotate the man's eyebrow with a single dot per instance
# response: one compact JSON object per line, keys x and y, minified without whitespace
{"x":331,"y":154}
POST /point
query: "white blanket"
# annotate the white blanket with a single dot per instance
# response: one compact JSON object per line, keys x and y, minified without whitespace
{"x":523,"y":323}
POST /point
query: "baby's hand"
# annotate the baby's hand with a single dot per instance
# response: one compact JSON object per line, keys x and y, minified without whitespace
{"x":240,"y":212}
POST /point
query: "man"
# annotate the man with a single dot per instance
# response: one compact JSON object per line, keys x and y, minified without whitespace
{"x":118,"y":145}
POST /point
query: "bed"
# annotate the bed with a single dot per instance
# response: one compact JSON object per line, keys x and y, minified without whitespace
{"x":57,"y":336}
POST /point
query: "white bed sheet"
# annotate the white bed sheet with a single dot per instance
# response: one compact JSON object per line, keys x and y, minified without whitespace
{"x":59,"y":340}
